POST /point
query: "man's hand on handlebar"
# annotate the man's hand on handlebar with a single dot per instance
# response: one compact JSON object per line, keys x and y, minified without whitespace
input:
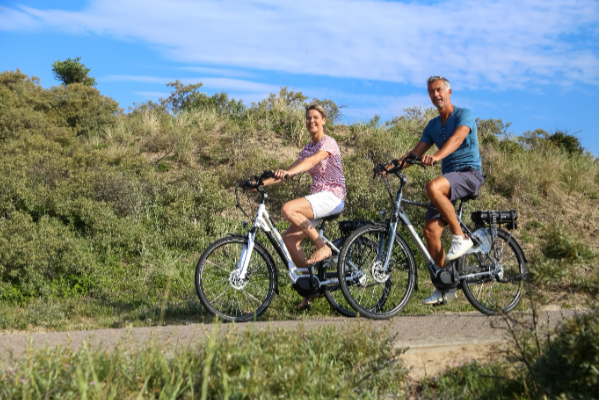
{"x":429,"y":160}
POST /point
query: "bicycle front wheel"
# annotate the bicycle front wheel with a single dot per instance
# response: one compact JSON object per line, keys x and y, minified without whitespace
{"x":373,"y":290}
{"x":488,"y":294}
{"x":222,"y":292}
{"x":332,"y":292}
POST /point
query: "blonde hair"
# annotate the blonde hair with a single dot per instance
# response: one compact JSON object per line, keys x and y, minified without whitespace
{"x":317,"y":108}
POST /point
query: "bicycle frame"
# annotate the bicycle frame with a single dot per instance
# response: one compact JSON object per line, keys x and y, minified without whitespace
{"x":400,"y":215}
{"x":263,"y":222}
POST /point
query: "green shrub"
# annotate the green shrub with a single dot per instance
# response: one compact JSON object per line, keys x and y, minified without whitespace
{"x":569,"y":365}
{"x":42,"y":258}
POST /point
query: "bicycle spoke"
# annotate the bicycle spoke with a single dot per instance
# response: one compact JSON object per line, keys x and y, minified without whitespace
{"x":225,"y":294}
{"x":487,"y":294}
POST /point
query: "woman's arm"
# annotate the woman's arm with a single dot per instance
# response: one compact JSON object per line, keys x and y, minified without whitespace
{"x":298,"y":167}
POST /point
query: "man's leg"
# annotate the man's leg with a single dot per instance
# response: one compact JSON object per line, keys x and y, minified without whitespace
{"x":438,"y":191}
{"x":433,"y":229}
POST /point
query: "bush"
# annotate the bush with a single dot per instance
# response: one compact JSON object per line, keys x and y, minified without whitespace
{"x":569,"y":365}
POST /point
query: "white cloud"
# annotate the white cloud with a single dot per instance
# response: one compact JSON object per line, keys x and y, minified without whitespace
{"x":216,"y":84}
{"x":153,"y":95}
{"x":508,"y":43}
{"x":14,"y":20}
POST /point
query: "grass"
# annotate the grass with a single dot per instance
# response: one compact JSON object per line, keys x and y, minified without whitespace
{"x":103,"y":218}
{"x":316,"y":364}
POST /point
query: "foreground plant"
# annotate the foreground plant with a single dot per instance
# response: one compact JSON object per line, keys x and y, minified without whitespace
{"x":322,"y":363}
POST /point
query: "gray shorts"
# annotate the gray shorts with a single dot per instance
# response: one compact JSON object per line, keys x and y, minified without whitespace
{"x":462,"y":183}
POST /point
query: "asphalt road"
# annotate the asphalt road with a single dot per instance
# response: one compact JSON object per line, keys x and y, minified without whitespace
{"x":419,"y":333}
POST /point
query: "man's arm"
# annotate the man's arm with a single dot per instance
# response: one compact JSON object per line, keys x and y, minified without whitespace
{"x":419,"y":150}
{"x":449,"y":147}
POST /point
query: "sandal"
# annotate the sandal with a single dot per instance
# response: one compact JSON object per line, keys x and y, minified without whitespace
{"x":306,"y":303}
{"x":320,"y":255}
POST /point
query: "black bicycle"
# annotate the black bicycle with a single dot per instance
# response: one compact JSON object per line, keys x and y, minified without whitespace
{"x":378,"y":263}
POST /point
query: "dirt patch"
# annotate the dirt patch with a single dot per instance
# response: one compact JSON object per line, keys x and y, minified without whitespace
{"x":429,"y":361}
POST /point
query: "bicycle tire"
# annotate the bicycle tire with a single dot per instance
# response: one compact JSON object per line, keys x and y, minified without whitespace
{"x":332,"y":293}
{"x":372,"y":292}
{"x":487,"y":294}
{"x":215,"y":288}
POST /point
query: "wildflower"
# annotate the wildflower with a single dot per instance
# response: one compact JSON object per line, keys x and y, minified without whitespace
{"x":92,"y":383}
{"x":23,"y":380}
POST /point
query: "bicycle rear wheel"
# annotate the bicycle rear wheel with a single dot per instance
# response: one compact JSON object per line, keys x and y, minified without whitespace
{"x":222,"y":292}
{"x":487,"y":294}
{"x":375,"y":292}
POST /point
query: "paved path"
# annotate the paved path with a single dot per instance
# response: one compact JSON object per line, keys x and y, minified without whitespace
{"x":419,"y":333}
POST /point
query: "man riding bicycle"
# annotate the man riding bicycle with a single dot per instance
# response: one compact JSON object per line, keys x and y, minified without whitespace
{"x":454,"y":134}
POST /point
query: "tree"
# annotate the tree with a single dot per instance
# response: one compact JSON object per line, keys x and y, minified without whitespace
{"x":566,"y":141}
{"x":72,"y":71}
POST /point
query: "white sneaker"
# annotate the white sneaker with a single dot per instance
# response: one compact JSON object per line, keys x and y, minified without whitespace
{"x":459,"y":246}
{"x":437,"y":296}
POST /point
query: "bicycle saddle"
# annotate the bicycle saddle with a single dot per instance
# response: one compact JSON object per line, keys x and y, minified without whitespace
{"x":473,"y":196}
{"x":331,"y":217}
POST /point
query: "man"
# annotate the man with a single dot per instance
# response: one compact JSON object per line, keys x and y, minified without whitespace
{"x":454,"y":134}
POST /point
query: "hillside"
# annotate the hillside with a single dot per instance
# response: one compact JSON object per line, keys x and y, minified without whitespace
{"x":103,"y":213}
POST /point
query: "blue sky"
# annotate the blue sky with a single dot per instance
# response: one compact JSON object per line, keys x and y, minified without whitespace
{"x":534,"y":63}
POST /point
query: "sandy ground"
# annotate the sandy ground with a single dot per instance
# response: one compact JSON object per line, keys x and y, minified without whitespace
{"x":423,"y":361}
{"x":434,"y":341}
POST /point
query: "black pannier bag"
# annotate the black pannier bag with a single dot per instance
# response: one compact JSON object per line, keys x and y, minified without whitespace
{"x":485,"y":218}
{"x":347,"y":227}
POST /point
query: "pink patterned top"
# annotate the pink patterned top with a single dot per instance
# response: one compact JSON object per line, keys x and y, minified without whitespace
{"x":327,"y":174}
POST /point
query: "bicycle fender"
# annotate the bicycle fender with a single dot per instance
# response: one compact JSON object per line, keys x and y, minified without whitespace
{"x":517,"y":245}
{"x":270,"y":260}
{"x":411,"y":252}
{"x":521,"y":251}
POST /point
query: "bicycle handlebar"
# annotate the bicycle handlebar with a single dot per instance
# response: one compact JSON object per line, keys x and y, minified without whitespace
{"x":398,"y":166}
{"x":255,"y":183}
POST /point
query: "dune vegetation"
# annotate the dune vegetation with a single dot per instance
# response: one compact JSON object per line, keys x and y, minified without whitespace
{"x":104,"y":213}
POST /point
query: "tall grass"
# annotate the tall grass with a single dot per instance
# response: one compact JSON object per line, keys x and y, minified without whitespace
{"x":102,"y":214}
{"x":307,"y":364}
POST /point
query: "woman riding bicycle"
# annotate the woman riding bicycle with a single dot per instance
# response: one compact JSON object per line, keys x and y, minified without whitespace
{"x":322,"y":160}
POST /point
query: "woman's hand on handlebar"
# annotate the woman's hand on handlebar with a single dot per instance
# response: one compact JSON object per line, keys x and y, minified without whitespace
{"x":281,"y":174}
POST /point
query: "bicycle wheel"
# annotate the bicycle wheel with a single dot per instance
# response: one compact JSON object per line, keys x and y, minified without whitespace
{"x":219,"y":289}
{"x":375,"y":292}
{"x":332,"y":292}
{"x":487,"y":294}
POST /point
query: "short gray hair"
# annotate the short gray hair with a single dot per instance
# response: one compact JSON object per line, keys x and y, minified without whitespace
{"x":436,"y":78}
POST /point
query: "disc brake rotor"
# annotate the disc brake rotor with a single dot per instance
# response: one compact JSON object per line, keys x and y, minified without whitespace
{"x":378,"y":272}
{"x":236,"y":281}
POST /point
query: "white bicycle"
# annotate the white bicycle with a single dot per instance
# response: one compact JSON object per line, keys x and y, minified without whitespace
{"x":236,"y":277}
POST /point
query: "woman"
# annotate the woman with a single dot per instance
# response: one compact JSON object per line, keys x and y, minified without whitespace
{"x":322,"y":159}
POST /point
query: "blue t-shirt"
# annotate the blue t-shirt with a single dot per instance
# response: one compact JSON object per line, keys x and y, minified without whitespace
{"x":467,"y":155}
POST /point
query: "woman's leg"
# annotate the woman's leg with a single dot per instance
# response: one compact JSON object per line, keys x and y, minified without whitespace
{"x":292,"y":238}
{"x":298,"y":213}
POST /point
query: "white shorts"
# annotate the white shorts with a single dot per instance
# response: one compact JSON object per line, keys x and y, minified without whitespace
{"x":323,"y":204}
